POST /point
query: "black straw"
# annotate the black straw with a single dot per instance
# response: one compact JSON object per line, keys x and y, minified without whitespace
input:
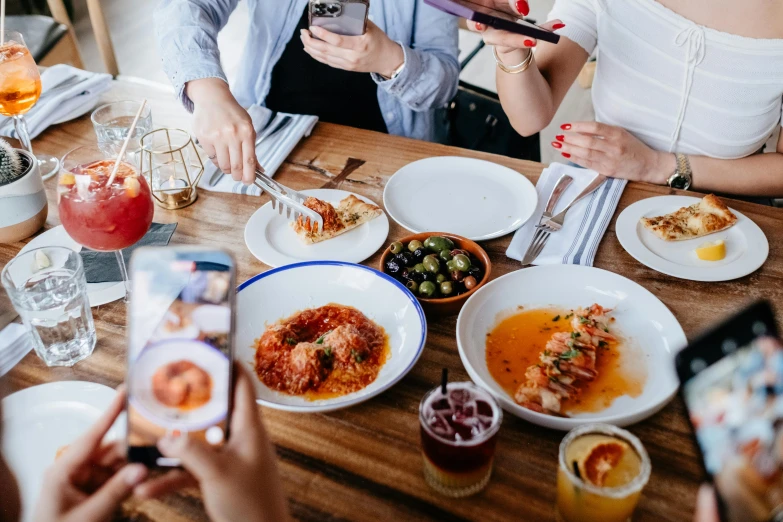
{"x":576,"y":471}
{"x":444,"y":380}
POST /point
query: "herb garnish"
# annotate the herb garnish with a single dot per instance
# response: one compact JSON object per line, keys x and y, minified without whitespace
{"x":290,"y":341}
{"x":555,"y":318}
{"x":570,"y":354}
{"x":574,"y":335}
{"x":320,"y":340}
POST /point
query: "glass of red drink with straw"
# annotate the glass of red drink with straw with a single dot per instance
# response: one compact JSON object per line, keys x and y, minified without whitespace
{"x":459,"y":426}
{"x":103,"y":216}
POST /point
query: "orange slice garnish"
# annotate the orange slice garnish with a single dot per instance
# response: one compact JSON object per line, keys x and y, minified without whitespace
{"x":132,"y":187}
{"x":67,"y":179}
{"x":600,"y":459}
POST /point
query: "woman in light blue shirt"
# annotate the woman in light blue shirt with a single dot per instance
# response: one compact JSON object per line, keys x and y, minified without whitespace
{"x":409,"y":50}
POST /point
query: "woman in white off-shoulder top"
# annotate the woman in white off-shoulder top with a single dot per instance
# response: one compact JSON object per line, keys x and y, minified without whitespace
{"x":699,"y":81}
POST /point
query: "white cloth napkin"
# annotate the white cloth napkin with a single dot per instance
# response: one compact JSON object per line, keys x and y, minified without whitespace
{"x":15,"y":342}
{"x":271,"y":152}
{"x":62,"y":105}
{"x":585,"y":224}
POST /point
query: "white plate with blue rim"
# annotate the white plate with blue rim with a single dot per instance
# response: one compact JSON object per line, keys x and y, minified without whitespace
{"x":98,"y":293}
{"x":279,"y":293}
{"x":747,"y":247}
{"x":39,"y":421}
{"x":651,"y":336}
{"x":469,"y":197}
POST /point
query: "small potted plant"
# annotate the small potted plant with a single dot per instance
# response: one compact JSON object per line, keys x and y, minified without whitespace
{"x":23,"y":205}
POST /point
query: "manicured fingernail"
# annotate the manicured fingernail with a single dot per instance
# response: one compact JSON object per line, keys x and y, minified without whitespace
{"x":134,"y":474}
{"x":557,"y":145}
{"x":523,"y":7}
{"x":560,"y":137}
{"x":530,"y":43}
{"x":557,"y":26}
{"x":566,"y":155}
{"x":480,"y":27}
{"x":566,"y":126}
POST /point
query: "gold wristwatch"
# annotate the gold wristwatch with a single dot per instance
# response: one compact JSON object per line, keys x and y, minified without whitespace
{"x":683,"y":175}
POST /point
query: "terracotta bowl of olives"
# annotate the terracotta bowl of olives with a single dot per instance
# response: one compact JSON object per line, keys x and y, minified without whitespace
{"x":442,"y":270}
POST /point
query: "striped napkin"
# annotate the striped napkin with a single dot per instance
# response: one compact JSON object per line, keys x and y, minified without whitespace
{"x":15,"y":342}
{"x":271,"y":152}
{"x":585,"y":224}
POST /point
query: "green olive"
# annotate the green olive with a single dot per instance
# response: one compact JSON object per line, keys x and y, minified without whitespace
{"x":396,"y":247}
{"x":462,"y":262}
{"x":412,"y":285}
{"x":418,"y":267}
{"x":440,"y":278}
{"x":445,"y":255}
{"x":427,"y":289}
{"x":438,"y":243}
{"x":451,"y":265}
{"x":470,"y":282}
{"x":431,"y":263}
{"x":446,"y":288}
{"x":414,"y":245}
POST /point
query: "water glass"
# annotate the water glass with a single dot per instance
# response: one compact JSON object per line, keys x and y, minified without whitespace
{"x":112,"y":123}
{"x":48,"y":289}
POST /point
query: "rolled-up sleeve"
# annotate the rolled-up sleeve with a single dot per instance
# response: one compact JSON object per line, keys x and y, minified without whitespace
{"x":186,"y":32}
{"x":431,"y":73}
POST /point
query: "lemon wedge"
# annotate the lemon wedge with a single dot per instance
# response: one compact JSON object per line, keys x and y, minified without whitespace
{"x":712,"y":251}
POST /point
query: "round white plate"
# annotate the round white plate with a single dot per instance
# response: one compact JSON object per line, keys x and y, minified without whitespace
{"x":473,"y":198}
{"x":98,"y":293}
{"x":206,"y":357}
{"x":279,"y":293}
{"x":270,"y":238}
{"x":644,"y":322}
{"x":746,"y":245}
{"x":40,"y":420}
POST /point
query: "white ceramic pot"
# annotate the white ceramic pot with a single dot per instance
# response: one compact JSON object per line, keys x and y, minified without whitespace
{"x":23,"y":205}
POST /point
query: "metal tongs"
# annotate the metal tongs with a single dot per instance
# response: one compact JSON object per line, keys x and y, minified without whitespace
{"x":289,"y":202}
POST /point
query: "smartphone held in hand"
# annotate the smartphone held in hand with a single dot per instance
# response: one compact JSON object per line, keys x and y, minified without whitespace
{"x":181,"y":328}
{"x":343,"y":17}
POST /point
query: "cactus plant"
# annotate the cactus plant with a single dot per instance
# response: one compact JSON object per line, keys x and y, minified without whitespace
{"x":10,"y":164}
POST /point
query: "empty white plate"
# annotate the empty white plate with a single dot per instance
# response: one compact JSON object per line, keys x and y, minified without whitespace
{"x":465,"y":196}
{"x":98,"y":293}
{"x":279,"y":293}
{"x":746,"y":245}
{"x":40,"y":420}
{"x":270,"y":238}
{"x":644,"y":322}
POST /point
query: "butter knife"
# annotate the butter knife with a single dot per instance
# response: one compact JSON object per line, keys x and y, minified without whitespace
{"x":560,"y":187}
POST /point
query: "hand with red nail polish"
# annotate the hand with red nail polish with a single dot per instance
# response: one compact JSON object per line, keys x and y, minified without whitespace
{"x":523,"y":7}
{"x":558,"y":26}
{"x":530,"y":43}
{"x":566,"y":155}
{"x":507,"y":44}
{"x":557,"y":145}
{"x":566,"y":126}
{"x":560,"y":137}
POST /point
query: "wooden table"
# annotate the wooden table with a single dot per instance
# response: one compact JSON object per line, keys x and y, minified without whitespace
{"x":364,"y":462}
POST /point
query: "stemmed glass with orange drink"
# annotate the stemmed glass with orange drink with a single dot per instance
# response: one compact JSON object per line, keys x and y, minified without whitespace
{"x":20,"y":88}
{"x":103,"y":216}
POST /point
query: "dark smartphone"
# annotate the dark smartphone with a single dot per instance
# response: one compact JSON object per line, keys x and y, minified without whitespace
{"x":482,"y":12}
{"x":732,"y":384}
{"x":344,"y":17}
{"x":180,"y":351}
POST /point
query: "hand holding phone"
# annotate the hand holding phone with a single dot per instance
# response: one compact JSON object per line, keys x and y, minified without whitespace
{"x":343,"y":17}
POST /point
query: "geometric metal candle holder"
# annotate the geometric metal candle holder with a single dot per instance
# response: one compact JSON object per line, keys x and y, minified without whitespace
{"x":172,"y":166}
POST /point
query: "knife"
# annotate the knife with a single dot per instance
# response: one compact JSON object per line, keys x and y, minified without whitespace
{"x":560,"y":187}
{"x":558,"y":220}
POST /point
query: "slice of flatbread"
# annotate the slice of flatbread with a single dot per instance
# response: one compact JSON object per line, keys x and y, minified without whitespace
{"x":708,"y":216}
{"x":350,"y":213}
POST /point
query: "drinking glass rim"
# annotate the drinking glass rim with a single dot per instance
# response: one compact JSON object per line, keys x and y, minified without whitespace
{"x":10,"y":32}
{"x":607,"y":429}
{"x":464,"y":443}
{"x":4,"y":275}
{"x":146,"y":147}
{"x":147,"y":110}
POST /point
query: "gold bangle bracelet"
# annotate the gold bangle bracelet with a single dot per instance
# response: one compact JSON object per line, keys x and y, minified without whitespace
{"x":514,"y":69}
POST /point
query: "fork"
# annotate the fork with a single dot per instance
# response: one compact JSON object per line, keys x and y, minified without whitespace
{"x":289,"y":202}
{"x":555,"y":223}
{"x":542,"y":235}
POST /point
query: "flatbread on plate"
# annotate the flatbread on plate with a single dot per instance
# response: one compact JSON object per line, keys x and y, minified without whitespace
{"x":350,"y":213}
{"x":706,"y":217}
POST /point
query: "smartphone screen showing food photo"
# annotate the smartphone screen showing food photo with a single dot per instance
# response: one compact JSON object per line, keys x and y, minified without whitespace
{"x":179,"y":355}
{"x":736,"y":407}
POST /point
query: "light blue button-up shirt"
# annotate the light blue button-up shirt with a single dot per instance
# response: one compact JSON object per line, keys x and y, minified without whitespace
{"x":187,"y":40}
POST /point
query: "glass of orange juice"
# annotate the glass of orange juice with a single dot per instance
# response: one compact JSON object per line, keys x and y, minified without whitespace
{"x":602,"y":471}
{"x":20,"y":88}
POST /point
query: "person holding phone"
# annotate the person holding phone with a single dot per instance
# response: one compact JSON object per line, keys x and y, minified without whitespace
{"x":686,"y":93}
{"x":389,"y":79}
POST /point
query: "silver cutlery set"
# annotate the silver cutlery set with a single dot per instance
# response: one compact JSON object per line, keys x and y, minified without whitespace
{"x":549,"y":223}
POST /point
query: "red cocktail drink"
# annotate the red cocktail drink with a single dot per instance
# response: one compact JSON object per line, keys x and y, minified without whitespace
{"x":458,"y":437}
{"x":101,"y":217}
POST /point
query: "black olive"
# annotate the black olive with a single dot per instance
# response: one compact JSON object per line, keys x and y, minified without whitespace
{"x":418,"y":255}
{"x":415,"y":276}
{"x":476,"y":272}
{"x":404,"y":259}
{"x":393,"y":267}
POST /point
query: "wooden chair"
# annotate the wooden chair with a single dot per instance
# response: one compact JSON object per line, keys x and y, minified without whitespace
{"x":99,"y":27}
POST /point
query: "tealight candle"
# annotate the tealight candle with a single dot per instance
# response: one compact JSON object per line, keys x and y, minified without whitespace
{"x":174,"y":193}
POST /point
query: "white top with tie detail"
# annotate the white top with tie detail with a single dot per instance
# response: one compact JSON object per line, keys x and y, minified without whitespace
{"x":678,"y":86}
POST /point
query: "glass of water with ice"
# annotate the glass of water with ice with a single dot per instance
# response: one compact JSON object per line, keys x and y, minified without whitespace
{"x":48,"y":289}
{"x":112,"y":123}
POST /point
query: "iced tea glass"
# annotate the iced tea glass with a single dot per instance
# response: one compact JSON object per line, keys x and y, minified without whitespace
{"x":20,"y":88}
{"x":579,"y":499}
{"x":458,"y":438}
{"x":101,"y":217}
